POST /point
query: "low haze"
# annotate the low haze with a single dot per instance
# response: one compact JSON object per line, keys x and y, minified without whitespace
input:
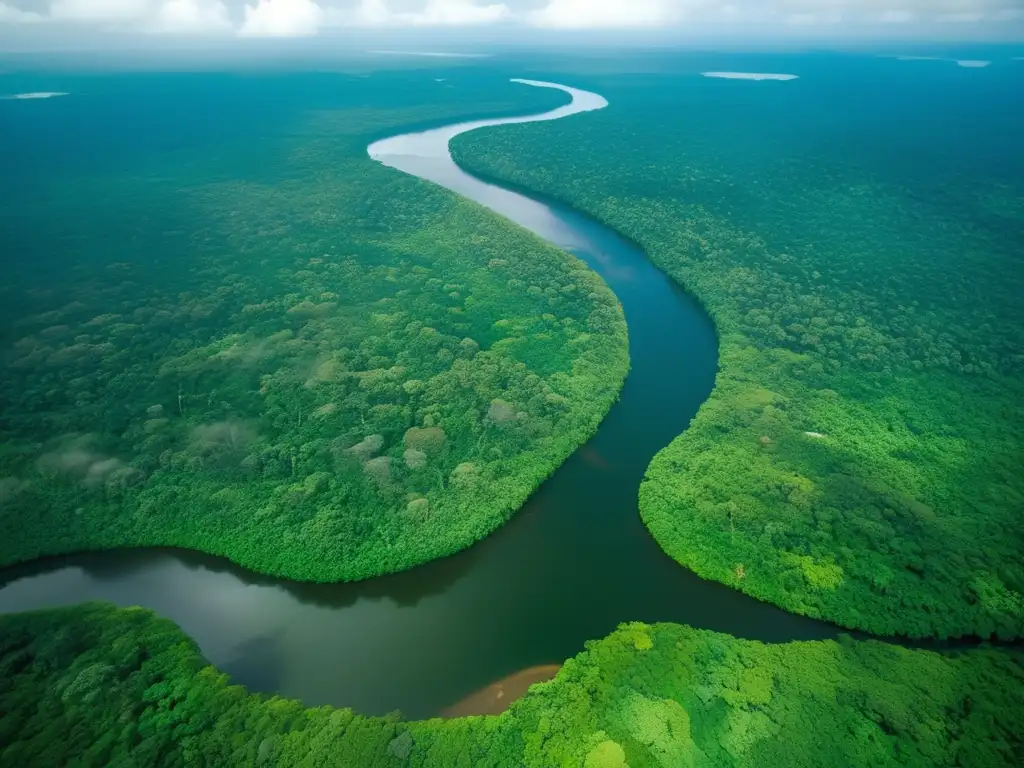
{"x":50,"y":24}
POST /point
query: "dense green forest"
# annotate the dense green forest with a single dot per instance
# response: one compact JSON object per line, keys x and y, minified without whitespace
{"x":253,"y":341}
{"x":95,"y":685}
{"x":860,"y":458}
{"x":225,"y":328}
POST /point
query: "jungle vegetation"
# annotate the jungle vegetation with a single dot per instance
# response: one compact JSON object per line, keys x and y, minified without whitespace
{"x":859,"y":249}
{"x":95,"y":685}
{"x":262,"y":365}
{"x":234,"y":332}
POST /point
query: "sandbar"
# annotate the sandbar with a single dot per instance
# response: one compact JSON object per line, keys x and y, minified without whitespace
{"x":750,"y":75}
{"x":968,"y":63}
{"x":34,"y":95}
{"x":497,"y":697}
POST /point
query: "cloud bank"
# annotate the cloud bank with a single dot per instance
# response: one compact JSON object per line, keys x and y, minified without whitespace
{"x":584,"y":14}
{"x":9,"y":15}
{"x":296,"y":18}
{"x":192,"y":16}
{"x":146,"y":16}
{"x":434,"y":13}
{"x":282,"y":18}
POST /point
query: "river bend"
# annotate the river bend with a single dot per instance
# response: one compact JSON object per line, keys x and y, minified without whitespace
{"x":570,"y":566}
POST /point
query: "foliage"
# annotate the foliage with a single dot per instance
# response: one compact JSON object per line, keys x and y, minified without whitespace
{"x":96,"y":685}
{"x":263,"y":345}
{"x":859,"y":459}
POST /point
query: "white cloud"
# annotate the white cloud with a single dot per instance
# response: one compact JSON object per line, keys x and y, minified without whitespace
{"x":461,"y":12}
{"x":436,"y":13}
{"x":192,"y":16}
{"x":895,"y":17}
{"x":100,"y":10}
{"x":814,"y":18}
{"x":282,"y":18}
{"x":150,"y":16}
{"x":292,"y":18}
{"x":369,"y":13}
{"x":11,"y":15}
{"x":960,"y":18}
{"x":899,"y":11}
{"x":587,"y":14}
{"x":581,"y":14}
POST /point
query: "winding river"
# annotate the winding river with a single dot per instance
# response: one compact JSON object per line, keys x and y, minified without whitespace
{"x":570,"y":566}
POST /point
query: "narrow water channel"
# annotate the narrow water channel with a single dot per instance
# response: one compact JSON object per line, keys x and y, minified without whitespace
{"x":570,"y":566}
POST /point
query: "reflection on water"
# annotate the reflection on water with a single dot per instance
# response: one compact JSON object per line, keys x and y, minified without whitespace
{"x":183,"y":566}
{"x":425,"y":155}
{"x":593,"y":458}
{"x":257,"y":660}
{"x":574,"y":563}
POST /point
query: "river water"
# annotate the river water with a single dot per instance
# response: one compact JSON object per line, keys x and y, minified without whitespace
{"x":570,"y":566}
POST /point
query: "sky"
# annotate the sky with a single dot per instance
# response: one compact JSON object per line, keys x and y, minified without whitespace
{"x":25,"y":24}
